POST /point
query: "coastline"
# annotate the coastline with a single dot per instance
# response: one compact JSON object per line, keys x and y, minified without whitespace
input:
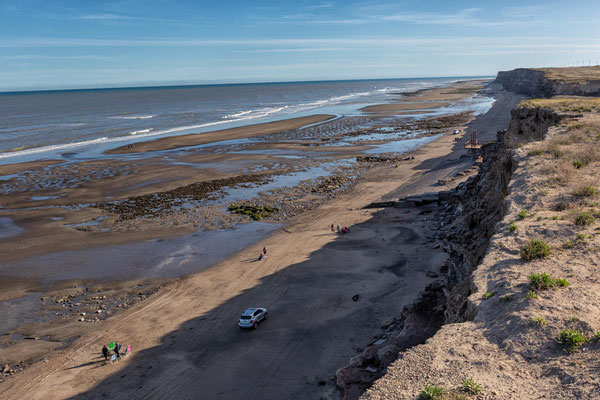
{"x":337,"y":209}
{"x":56,"y":206}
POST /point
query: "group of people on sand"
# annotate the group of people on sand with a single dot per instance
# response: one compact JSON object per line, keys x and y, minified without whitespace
{"x":263,"y":254}
{"x":116,"y":347}
{"x":338,"y":229}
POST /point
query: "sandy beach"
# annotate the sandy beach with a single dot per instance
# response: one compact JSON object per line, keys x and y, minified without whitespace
{"x":309,"y":278}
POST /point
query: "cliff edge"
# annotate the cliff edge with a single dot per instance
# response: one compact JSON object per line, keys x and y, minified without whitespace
{"x":524,"y":322}
{"x":548,"y":82}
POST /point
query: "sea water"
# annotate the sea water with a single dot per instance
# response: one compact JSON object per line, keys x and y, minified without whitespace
{"x":47,"y":124}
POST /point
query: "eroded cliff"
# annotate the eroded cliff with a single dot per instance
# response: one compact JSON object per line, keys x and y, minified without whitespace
{"x":548,"y":82}
{"x":521,"y":314}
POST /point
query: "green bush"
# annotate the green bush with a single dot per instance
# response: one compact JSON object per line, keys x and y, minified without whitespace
{"x":431,"y":392}
{"x":535,"y":249}
{"x":578,"y":164}
{"x":471,"y":387}
{"x":488,"y":295}
{"x":561,"y":282}
{"x":544,"y":281}
{"x":522,"y":214}
{"x":535,"y":152}
{"x":556,"y":153}
{"x":584,"y":218}
{"x":513,"y":227}
{"x":531,"y":295}
{"x":539,"y":321}
{"x":571,"y":339}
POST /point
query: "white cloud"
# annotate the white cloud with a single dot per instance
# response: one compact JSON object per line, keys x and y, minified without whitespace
{"x":50,"y":57}
{"x":299,"y":50}
{"x":319,"y":6}
{"x":110,"y":17}
{"x":467,"y":17}
{"x":523,"y":11}
{"x":337,"y":21}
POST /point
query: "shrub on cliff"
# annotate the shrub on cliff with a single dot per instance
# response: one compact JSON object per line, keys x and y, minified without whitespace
{"x":544,"y":281}
{"x":431,"y":392}
{"x":535,"y":249}
{"x":585,"y":191}
{"x":571,"y":339}
{"x":584,"y":218}
{"x":535,"y":152}
{"x":471,"y":387}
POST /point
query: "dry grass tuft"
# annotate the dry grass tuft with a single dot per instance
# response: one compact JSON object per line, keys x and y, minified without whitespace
{"x":578,"y":105}
{"x":585,"y":190}
{"x":572,"y":151}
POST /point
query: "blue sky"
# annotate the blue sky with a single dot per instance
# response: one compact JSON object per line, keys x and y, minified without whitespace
{"x":69,"y":44}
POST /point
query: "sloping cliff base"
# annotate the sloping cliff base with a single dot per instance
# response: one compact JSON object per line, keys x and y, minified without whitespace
{"x":523,"y":324}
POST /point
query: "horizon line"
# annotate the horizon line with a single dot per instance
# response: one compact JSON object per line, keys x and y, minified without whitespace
{"x":190,"y":85}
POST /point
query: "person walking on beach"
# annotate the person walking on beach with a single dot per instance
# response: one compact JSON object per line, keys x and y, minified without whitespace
{"x":105,"y":352}
{"x":262,"y":255}
{"x":338,"y":229}
{"x":265,"y":251}
{"x":332,"y":229}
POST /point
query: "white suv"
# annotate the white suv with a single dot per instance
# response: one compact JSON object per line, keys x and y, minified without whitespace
{"x":251,"y":317}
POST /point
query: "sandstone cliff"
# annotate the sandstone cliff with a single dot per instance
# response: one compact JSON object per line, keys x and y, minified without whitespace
{"x":506,"y":336}
{"x":548,"y":82}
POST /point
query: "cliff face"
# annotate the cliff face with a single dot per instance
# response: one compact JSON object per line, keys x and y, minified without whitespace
{"x":467,"y":224}
{"x":529,"y":124}
{"x":526,"y":81}
{"x":500,"y":329}
{"x":546,"y":83}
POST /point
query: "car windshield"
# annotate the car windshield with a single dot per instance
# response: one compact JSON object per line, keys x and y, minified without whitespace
{"x":245,"y":317}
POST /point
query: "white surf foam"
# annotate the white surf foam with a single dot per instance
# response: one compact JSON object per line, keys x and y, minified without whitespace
{"x":142,"y":131}
{"x":133,"y":116}
{"x":44,"y":149}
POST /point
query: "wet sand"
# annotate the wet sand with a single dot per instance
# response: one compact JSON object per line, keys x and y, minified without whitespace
{"x":426,"y":99}
{"x":242,"y":132}
{"x":207,"y":292}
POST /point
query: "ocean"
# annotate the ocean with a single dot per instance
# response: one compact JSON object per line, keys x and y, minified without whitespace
{"x":44,"y":124}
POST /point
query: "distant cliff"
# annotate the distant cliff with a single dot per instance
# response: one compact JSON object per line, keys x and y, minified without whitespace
{"x":548,"y":82}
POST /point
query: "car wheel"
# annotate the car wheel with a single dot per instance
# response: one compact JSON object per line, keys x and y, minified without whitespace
{"x":266,"y":315}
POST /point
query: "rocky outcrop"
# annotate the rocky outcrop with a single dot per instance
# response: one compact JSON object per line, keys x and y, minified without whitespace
{"x":535,"y":83}
{"x":526,"y":81}
{"x":529,"y":124}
